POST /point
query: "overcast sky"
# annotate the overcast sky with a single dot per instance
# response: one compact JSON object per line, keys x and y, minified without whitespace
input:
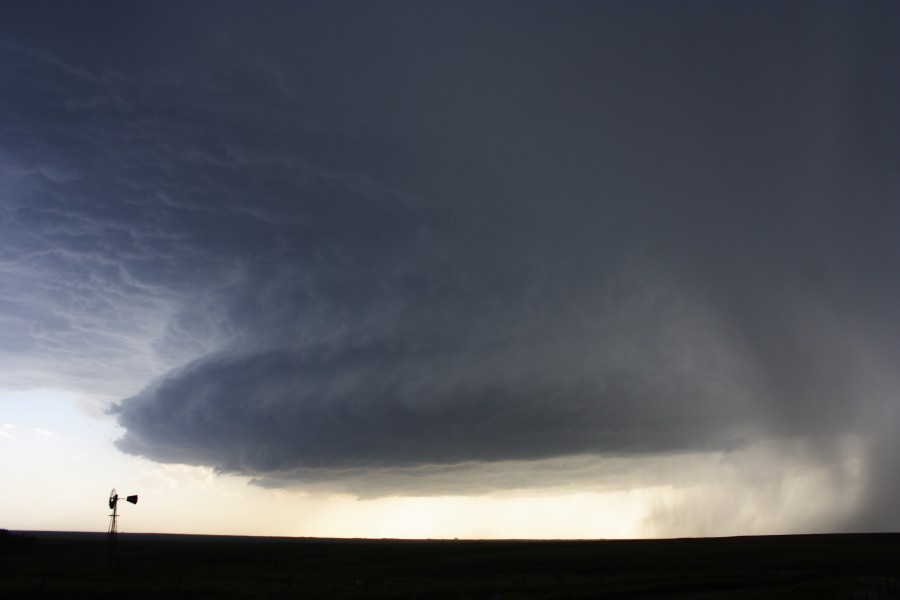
{"x":482,"y":252}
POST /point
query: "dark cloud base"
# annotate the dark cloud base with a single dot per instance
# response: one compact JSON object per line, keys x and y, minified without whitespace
{"x":277,"y":410}
{"x":411,"y":240}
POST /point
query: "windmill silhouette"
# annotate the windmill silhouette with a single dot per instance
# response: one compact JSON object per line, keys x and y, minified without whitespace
{"x":112,"y":536}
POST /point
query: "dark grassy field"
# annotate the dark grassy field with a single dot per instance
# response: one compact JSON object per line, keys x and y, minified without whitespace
{"x":170,"y":566}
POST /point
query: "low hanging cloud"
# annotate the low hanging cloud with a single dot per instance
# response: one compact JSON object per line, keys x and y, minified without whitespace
{"x":396,"y":402}
{"x":405,"y":271}
{"x":669,"y":379}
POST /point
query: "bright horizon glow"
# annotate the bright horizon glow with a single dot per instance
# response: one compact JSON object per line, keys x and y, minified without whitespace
{"x":450,"y":270}
{"x":60,"y":463}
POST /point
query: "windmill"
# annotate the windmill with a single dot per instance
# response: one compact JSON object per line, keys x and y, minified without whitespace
{"x":113,"y":534}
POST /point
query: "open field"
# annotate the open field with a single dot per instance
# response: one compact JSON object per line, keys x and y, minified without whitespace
{"x":64,"y":565}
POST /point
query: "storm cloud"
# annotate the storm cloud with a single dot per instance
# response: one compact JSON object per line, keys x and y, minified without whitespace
{"x":317,"y":243}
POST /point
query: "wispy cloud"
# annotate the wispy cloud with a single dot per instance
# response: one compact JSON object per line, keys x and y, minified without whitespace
{"x":45,"y":433}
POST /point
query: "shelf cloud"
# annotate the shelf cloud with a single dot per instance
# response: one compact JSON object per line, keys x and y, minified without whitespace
{"x":459,"y":248}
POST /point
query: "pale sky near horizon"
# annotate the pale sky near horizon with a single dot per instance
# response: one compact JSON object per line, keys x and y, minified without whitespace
{"x":450,"y":269}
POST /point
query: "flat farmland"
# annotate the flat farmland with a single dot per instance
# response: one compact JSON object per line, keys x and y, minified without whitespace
{"x":76,"y":565}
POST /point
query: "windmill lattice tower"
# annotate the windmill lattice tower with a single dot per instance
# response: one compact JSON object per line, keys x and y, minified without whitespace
{"x":112,"y":535}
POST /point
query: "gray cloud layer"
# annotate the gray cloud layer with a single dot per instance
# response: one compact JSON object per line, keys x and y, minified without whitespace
{"x":335,"y":240}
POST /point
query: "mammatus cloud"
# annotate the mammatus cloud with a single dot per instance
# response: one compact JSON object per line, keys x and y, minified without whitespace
{"x":398,"y":270}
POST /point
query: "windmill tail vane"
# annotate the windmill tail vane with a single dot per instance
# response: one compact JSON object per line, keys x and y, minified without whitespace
{"x":114,"y":499}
